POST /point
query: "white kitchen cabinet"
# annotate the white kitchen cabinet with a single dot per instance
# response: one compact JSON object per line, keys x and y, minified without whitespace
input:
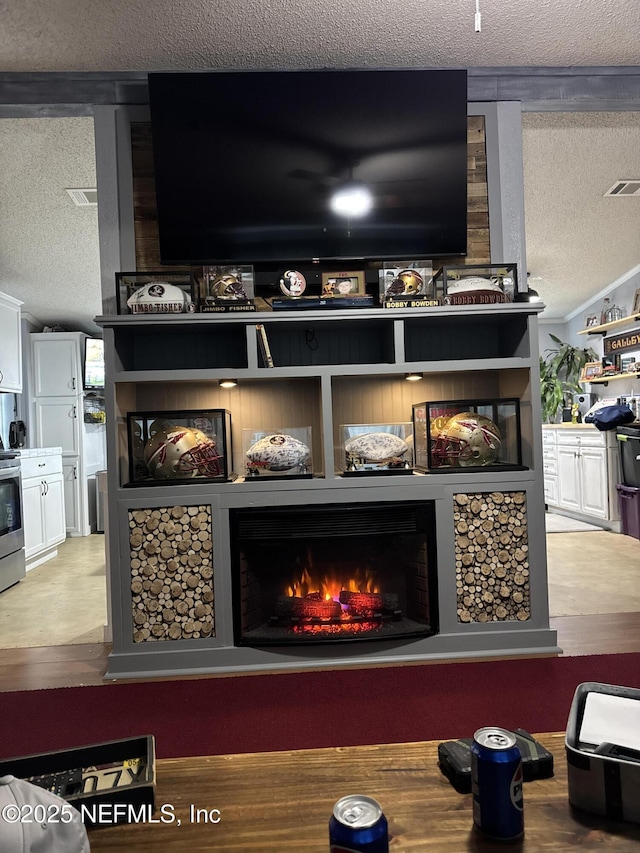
{"x":71,"y":494}
{"x":59,"y":421}
{"x":580,"y":469}
{"x":57,"y":365}
{"x":10,"y":344}
{"x":550,"y":467}
{"x":43,"y":504}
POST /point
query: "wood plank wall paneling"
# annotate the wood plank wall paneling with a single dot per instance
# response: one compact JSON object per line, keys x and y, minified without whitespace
{"x":389,"y":399}
{"x":254,"y":405}
{"x":145,"y":214}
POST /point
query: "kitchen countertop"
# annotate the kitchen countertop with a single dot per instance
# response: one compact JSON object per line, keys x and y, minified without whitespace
{"x":568,"y":426}
{"x":31,"y":452}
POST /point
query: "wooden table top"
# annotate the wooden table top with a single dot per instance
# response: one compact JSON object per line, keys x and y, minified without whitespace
{"x":277,"y":801}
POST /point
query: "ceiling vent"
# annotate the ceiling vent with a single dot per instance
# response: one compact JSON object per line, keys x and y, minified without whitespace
{"x":624,"y":188}
{"x":84,"y":198}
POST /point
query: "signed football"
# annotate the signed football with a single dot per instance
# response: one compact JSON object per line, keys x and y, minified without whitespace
{"x":377,"y":446}
{"x":278,"y":452}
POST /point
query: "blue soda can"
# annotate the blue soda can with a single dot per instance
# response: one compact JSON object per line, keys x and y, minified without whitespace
{"x":358,"y":826}
{"x":496,"y":784}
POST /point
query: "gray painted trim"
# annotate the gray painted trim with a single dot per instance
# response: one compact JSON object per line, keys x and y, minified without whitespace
{"x":540,"y":89}
{"x":200,"y":661}
{"x":505,"y":183}
{"x":114,"y":177}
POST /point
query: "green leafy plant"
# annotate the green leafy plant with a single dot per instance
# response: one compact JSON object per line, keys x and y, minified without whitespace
{"x":560,"y":370}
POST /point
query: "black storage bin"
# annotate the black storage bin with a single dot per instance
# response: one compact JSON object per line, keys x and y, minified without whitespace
{"x":628,"y":438}
{"x":629,"y":504}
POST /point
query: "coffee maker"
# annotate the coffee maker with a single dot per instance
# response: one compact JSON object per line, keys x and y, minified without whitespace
{"x":17,"y":434}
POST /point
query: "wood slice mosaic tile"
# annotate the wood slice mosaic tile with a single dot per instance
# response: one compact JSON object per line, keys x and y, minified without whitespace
{"x":492,"y":557}
{"x":171,"y":561}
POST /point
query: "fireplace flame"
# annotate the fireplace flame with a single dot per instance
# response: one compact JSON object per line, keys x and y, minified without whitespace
{"x":329,"y":586}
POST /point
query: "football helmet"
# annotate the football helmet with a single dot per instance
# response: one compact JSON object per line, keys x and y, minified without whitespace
{"x":406,"y":283}
{"x":181,"y":452}
{"x":228,"y":287}
{"x":467,"y":439}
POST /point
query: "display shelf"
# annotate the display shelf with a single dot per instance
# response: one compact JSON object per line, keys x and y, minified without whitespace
{"x":339,"y":340}
{"x":603,"y":328}
{"x":604,"y":380}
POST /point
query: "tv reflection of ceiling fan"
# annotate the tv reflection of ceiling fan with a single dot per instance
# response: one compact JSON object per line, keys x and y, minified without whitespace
{"x":326,"y":180}
{"x":346,"y":196}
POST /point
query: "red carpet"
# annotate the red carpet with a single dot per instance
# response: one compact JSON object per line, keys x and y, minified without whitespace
{"x":257,"y":713}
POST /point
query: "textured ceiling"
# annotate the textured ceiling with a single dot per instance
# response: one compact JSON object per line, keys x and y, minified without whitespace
{"x":577,"y":242}
{"x":49,"y":247}
{"x":64,"y":35}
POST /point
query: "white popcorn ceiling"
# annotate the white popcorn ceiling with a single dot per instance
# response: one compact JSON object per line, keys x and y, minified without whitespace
{"x":577,"y":242}
{"x":62,"y":35}
{"x":49,"y":247}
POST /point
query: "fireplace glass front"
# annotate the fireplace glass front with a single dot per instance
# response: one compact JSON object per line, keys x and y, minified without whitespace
{"x":319,"y":574}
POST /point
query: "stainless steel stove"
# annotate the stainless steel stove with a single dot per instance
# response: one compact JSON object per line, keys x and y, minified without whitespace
{"x":12,"y":564}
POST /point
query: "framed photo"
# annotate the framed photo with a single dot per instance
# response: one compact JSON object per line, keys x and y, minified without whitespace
{"x":155,"y":292}
{"x":343,"y":284}
{"x":592,"y":320}
{"x":591,"y":370}
{"x":636,"y":303}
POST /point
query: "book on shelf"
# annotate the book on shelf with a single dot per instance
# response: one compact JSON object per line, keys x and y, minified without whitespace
{"x":263,"y":343}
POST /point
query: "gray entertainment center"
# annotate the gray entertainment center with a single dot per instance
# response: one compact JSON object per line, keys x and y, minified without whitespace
{"x":176,"y":595}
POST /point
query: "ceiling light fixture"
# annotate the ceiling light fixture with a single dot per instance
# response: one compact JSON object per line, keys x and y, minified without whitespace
{"x":413,"y":377}
{"x":228,"y":383}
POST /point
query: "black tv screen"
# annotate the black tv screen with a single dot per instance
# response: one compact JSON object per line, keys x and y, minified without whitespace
{"x":246,"y":164}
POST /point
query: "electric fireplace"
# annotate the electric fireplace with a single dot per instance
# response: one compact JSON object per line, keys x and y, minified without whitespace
{"x":334,"y":573}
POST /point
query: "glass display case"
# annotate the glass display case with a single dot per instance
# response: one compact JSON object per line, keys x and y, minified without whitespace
{"x":228,"y":288}
{"x":376,"y":449}
{"x":406,"y":283}
{"x":277,"y":453}
{"x":455,"y":435}
{"x":179,"y":446}
{"x":476,"y":284}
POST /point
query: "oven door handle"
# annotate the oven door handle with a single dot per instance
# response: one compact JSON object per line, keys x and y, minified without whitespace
{"x":5,"y":473}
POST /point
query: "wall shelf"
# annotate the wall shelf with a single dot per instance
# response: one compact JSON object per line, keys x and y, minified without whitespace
{"x":604,"y":380}
{"x":603,"y":328}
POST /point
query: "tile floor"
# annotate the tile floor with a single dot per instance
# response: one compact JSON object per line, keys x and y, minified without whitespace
{"x":64,"y":601}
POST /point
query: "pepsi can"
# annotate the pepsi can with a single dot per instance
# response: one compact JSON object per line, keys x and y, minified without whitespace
{"x":496,"y":784}
{"x":358,"y":826}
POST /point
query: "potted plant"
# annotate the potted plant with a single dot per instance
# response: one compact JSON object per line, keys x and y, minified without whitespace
{"x":560,"y":370}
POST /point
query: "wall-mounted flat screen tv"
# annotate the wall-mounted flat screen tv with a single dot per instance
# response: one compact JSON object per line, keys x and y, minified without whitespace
{"x":248,"y":164}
